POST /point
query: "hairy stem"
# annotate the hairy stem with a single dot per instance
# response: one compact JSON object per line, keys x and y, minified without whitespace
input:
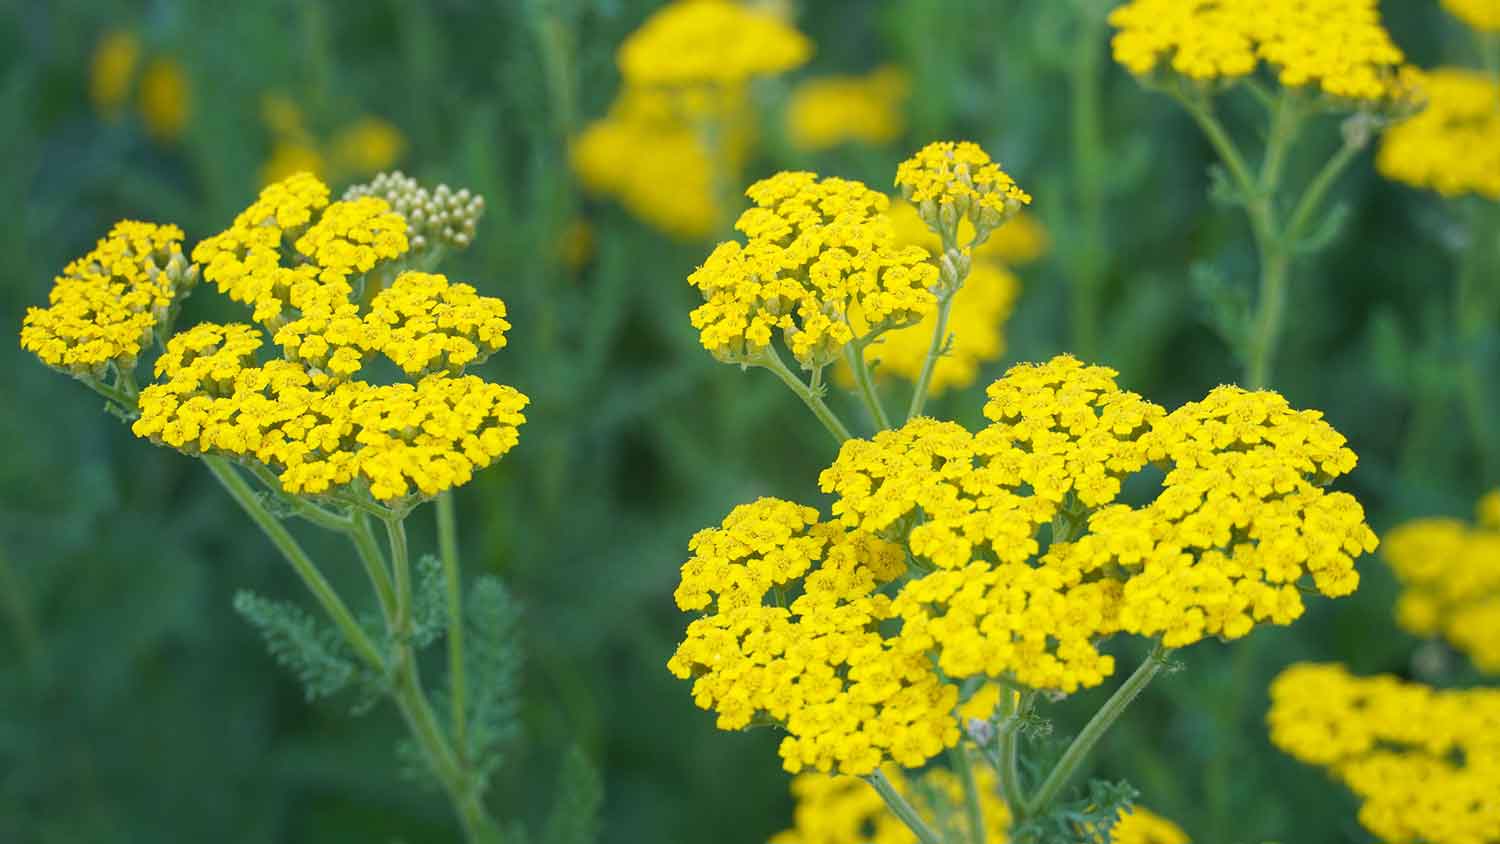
{"x":772,"y":361}
{"x":373,"y":559}
{"x":322,"y":590}
{"x":902,"y":809}
{"x":1095,"y":729}
{"x":458,"y":688}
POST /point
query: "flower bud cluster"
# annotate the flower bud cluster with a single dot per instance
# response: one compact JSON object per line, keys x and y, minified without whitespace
{"x":438,"y":218}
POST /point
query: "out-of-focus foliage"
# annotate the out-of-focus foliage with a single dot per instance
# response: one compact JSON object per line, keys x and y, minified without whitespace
{"x":136,"y":705}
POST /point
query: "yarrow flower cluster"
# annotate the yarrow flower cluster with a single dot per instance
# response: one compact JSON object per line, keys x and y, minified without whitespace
{"x":1451,"y":146}
{"x":1450,"y":576}
{"x":1340,"y":47}
{"x":710,"y":42}
{"x":845,"y":810}
{"x":297,"y":261}
{"x":830,"y":110}
{"x":163,"y":92}
{"x":1424,"y":761}
{"x":950,"y":181}
{"x":818,"y":252}
{"x":980,"y":308}
{"x":1018,"y":561}
{"x":105,"y":307}
{"x":1483,"y":15}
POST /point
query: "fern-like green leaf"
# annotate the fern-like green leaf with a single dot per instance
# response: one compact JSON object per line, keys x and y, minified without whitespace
{"x":493,"y":663}
{"x":575,"y":815}
{"x":309,"y":649}
{"x":429,"y":602}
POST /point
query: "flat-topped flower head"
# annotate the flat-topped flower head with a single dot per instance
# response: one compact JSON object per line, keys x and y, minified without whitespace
{"x":710,"y":42}
{"x":1451,"y":146}
{"x":1450,"y":577}
{"x":103,"y":309}
{"x":1424,"y":762}
{"x":827,"y":111}
{"x":1338,"y":47}
{"x":818,"y":252}
{"x":846,"y":810}
{"x":425,"y":324}
{"x":1483,"y":15}
{"x":951,"y":181}
{"x":790,"y":635}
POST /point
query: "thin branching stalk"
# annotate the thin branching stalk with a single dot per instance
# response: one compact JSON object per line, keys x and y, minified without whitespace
{"x":376,"y":568}
{"x":772,"y":360}
{"x":855,"y":352}
{"x":903,"y":809}
{"x":963,"y":765}
{"x":1095,"y":729}
{"x":458,"y":689}
{"x":935,"y":350}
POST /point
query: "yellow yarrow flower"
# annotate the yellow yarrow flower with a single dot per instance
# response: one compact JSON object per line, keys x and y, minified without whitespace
{"x":104,"y":307}
{"x":831,"y":110}
{"x":710,"y":42}
{"x":846,"y":810}
{"x":113,"y":69}
{"x":949,"y":182}
{"x":790,"y":636}
{"x":1338,"y":46}
{"x":1450,"y":576}
{"x":1452,"y":146}
{"x":165,"y":99}
{"x":1483,"y":15}
{"x":817,"y":252}
{"x":368,"y":145}
{"x":1142,"y":826}
{"x":1424,"y":762}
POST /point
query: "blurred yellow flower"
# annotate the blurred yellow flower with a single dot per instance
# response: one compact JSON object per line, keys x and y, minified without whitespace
{"x":710,"y":42}
{"x":289,"y":158}
{"x":1453,"y":145}
{"x":1142,"y":826}
{"x":366,"y":146}
{"x":165,"y":99}
{"x":112,"y":68}
{"x":1483,"y":15}
{"x":832,"y":110}
{"x":363,"y":148}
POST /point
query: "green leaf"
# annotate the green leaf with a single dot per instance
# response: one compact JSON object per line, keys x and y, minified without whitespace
{"x":308,"y":648}
{"x":575,"y":815}
{"x":1086,"y":819}
{"x":493,"y":662}
{"x":429,"y":602}
{"x":1328,"y":228}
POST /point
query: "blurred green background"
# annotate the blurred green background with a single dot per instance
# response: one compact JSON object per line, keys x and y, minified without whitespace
{"x":135,"y":706}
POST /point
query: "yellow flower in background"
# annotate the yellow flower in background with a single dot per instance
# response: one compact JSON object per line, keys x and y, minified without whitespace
{"x":366,"y":146}
{"x":1450,"y":576}
{"x":1338,"y":46}
{"x":1142,"y":826}
{"x":165,"y":99}
{"x":113,"y":69}
{"x":827,"y":111}
{"x":846,"y":810}
{"x":1424,"y":762}
{"x":710,"y":42}
{"x":1483,"y":15}
{"x":1452,"y":146}
{"x":363,"y":148}
{"x":163,"y":92}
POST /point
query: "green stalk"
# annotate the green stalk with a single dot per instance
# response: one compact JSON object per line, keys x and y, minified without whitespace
{"x":458,"y":689}
{"x":903,"y":809}
{"x":1095,"y":729}
{"x":416,"y":709}
{"x":1470,"y":318}
{"x":772,"y":360}
{"x":934,"y":351}
{"x":1088,"y":169}
{"x":855,"y":352}
{"x":1009,"y":768}
{"x":306,"y":569}
{"x":963,"y":765}
{"x":375,"y":566}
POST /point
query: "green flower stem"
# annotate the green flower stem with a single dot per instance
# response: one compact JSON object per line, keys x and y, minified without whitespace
{"x":1317,"y":189}
{"x":855,"y":352}
{"x":1095,"y":729}
{"x":458,"y":689}
{"x":1470,"y":310}
{"x":326,"y":519}
{"x":959,"y":758}
{"x":772,"y":360}
{"x":322,"y":590}
{"x":934,"y":351}
{"x":1009,"y":769}
{"x":375,"y":566}
{"x":417,"y":710}
{"x":903,"y":809}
